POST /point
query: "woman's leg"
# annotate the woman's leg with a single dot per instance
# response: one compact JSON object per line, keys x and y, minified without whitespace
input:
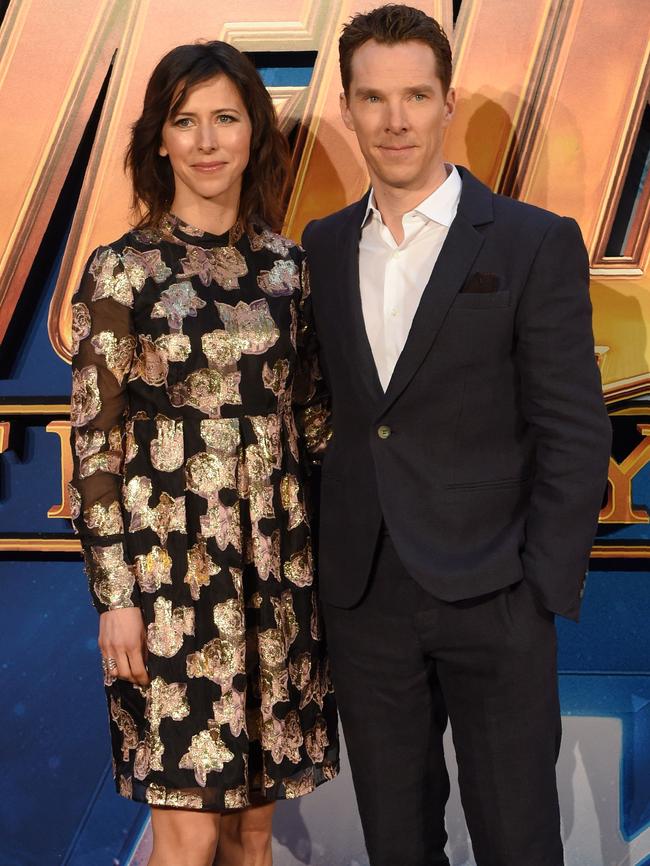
{"x":183,"y":837}
{"x":245,"y":837}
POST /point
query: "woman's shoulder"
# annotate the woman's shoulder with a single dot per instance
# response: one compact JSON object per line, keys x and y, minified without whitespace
{"x":262,"y":237}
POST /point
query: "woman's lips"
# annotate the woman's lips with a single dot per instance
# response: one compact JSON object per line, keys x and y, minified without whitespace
{"x":208,"y":166}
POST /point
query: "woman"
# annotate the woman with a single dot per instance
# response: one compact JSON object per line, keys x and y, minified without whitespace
{"x":193,"y":348}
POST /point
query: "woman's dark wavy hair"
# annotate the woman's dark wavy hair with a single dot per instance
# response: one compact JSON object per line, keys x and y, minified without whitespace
{"x":265,"y":180}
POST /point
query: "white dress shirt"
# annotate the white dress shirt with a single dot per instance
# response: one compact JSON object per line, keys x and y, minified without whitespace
{"x":393,"y":277}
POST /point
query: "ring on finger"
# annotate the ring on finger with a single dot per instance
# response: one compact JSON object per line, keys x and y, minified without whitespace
{"x":111,"y":664}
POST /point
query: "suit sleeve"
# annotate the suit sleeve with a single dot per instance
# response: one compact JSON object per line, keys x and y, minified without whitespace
{"x":103,"y":348}
{"x":562,"y":402}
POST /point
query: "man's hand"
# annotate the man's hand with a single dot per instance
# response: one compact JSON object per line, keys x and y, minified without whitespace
{"x":122,"y":637}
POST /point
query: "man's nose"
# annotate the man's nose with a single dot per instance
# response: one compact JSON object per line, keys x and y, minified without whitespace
{"x":396,"y":119}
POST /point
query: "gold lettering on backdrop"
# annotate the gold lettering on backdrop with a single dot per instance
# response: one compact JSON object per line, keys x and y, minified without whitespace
{"x":5,"y":429}
{"x":53,"y":59}
{"x":619,"y":508}
{"x":62,"y":430}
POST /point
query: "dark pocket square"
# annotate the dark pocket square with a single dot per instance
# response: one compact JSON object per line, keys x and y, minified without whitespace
{"x":481,"y":283}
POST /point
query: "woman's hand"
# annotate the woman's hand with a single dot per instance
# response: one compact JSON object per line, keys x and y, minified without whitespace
{"x":122,"y":637}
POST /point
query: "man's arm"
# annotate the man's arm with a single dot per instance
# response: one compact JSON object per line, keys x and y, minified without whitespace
{"x":562,"y":401}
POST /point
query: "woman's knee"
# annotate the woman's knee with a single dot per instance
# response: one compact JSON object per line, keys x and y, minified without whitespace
{"x":183,"y":838}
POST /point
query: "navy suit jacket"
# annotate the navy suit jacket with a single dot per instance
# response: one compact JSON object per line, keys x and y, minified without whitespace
{"x":487,"y":455}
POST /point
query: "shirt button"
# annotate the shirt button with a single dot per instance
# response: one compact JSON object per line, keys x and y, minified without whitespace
{"x":396,"y":254}
{"x":384,"y":431}
{"x":393,"y":312}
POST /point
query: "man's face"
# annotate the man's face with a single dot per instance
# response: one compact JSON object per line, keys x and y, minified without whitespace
{"x":397,"y":108}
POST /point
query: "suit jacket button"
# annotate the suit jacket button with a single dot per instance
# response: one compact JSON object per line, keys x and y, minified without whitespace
{"x":384,"y":431}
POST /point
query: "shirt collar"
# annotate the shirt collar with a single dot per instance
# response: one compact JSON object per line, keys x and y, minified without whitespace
{"x":440,"y":206}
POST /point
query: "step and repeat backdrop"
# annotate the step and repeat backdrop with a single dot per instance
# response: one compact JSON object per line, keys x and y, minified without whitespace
{"x":553,"y":109}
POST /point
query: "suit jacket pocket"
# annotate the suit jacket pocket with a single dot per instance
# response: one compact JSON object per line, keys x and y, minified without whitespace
{"x":481,"y":300}
{"x":487,"y":485}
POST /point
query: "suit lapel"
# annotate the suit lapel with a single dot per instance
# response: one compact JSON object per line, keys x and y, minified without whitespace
{"x":355,"y":338}
{"x":456,"y":258}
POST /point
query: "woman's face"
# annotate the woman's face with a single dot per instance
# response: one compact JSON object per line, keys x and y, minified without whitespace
{"x":208,"y":144}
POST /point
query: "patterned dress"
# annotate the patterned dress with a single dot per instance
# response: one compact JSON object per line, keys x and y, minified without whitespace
{"x":195,"y":397}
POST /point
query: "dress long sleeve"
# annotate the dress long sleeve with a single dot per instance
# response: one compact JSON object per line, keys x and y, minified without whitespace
{"x":310,"y":394}
{"x":103,"y":349}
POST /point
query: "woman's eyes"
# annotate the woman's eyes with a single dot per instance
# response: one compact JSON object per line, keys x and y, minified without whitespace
{"x":221,"y":119}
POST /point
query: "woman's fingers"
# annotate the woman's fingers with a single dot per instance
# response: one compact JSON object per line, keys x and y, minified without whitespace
{"x":137,"y":667}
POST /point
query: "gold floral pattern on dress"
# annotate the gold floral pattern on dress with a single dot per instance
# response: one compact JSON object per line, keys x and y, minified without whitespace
{"x":85,"y":400}
{"x":208,"y":473}
{"x":153,"y":569}
{"x":105,"y":461}
{"x":112,"y":579}
{"x":140,"y":265}
{"x":164,"y":701}
{"x":316,"y":428}
{"x":117,"y":351}
{"x":150,"y":364}
{"x":282,"y":279}
{"x":109,"y":284}
{"x":81,"y":324}
{"x":264,"y":552}
{"x":315,"y":622}
{"x":274,"y":674}
{"x":300,"y":785}
{"x":236,"y":798}
{"x":175,"y":347}
{"x":200,"y":568}
{"x":176,"y":303}
{"x":283,"y":737}
{"x":126,"y":726}
{"x":256,"y":483}
{"x":168,"y":516}
{"x":300,"y":568}
{"x":158,"y":795}
{"x":317,"y":741}
{"x":267,"y":433}
{"x":231,"y":710}
{"x":126,"y":787}
{"x":221,"y":435}
{"x":266,"y":239}
{"x":165,"y":635}
{"x":251,"y":325}
{"x":219,"y":661}
{"x":222,"y":349}
{"x":285,"y":617}
{"x":207,"y":754}
{"x":290,"y":496}
{"x":207,"y":390}
{"x":74,"y":498}
{"x":167,"y":450}
{"x":222,"y":522}
{"x":105,"y":520}
{"x":88,"y":442}
{"x":275,"y":377}
{"x":221,"y":264}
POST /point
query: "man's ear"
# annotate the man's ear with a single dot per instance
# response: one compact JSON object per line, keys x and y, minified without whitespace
{"x":450,"y":104}
{"x":346,"y":114}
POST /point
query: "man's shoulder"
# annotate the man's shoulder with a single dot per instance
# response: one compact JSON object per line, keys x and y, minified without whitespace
{"x":324,"y":229}
{"x":523,"y":212}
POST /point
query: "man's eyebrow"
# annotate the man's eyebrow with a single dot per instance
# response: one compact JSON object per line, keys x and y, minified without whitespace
{"x":366,"y":91}
{"x":419,"y":88}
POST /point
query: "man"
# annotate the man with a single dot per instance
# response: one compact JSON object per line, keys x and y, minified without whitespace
{"x":461,"y":488}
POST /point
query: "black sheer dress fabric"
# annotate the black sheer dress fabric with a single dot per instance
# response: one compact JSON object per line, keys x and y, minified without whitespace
{"x":196,"y":399}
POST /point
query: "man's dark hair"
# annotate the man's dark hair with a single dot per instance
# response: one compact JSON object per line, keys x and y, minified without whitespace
{"x":265,"y":178}
{"x":390,"y":25}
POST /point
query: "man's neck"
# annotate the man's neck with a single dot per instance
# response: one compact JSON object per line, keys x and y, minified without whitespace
{"x":393,"y":202}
